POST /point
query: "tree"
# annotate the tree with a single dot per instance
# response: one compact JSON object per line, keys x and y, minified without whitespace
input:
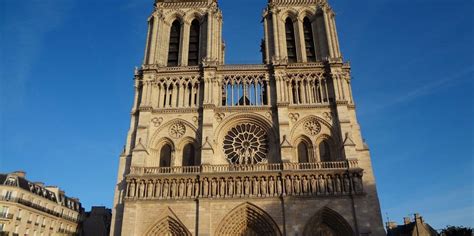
{"x":456,"y":231}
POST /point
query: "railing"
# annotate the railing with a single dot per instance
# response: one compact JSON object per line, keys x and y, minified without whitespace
{"x":4,"y":215}
{"x":38,"y":207}
{"x":336,"y":165}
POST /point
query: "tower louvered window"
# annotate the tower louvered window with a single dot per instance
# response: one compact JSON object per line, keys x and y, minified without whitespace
{"x":193,"y":58}
{"x":175,"y":39}
{"x":309,"y":41}
{"x":290,"y":40}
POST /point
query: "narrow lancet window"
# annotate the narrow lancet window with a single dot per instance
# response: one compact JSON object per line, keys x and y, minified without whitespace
{"x":309,"y":40}
{"x":175,"y":39}
{"x":165,"y":156}
{"x":303,"y":153}
{"x":189,"y":158}
{"x":324,"y":151}
{"x":290,"y":40}
{"x":193,"y":56}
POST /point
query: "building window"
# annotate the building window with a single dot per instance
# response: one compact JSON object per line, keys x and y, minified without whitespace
{"x":8,"y":195}
{"x":175,"y":39}
{"x":194,"y":45}
{"x":303,"y":156}
{"x":324,"y":151}
{"x":189,"y":155}
{"x":165,"y":156}
{"x":2,"y":226}
{"x":290,"y":40}
{"x":308,"y":39}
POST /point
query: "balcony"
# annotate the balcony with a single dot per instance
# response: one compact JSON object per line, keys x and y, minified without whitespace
{"x":236,"y":181}
{"x":6,"y":216}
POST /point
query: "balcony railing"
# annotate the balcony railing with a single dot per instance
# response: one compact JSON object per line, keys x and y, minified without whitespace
{"x":38,"y":207}
{"x":336,"y":165}
{"x":4,"y":215}
{"x":236,"y":181}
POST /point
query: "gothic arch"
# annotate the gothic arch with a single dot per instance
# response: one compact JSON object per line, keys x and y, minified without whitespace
{"x":194,"y":15}
{"x":334,"y":152}
{"x":290,"y":13}
{"x":175,"y":15}
{"x":327,"y":221}
{"x":309,"y":145}
{"x":306,"y":12}
{"x":248,"y":219}
{"x":326,"y":129}
{"x":155,"y":138}
{"x":181,"y":150}
{"x":168,"y":226}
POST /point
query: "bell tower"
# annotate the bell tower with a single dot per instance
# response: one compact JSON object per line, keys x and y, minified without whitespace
{"x":263,"y":149}
{"x":300,"y":31}
{"x":183,"y":33}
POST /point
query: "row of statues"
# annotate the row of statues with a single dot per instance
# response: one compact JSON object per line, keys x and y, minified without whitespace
{"x":248,"y":186}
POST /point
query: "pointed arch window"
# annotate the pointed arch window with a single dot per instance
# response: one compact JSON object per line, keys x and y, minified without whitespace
{"x":290,"y":40}
{"x":309,"y":40}
{"x":189,"y":155}
{"x":194,"y":45}
{"x":165,"y":156}
{"x":325,"y":151}
{"x":303,"y":156}
{"x":175,"y":39}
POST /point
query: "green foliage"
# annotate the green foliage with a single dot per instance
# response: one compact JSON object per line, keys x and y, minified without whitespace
{"x":456,"y":231}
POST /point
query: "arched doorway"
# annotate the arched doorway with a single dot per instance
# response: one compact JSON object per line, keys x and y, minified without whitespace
{"x":327,"y":222}
{"x":168,"y":227}
{"x":248,"y":220}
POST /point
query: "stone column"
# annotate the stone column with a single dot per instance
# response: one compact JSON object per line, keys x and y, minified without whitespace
{"x":185,"y":43}
{"x":301,"y":41}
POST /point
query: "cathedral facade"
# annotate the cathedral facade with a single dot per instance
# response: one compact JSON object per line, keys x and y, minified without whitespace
{"x":265,"y":149}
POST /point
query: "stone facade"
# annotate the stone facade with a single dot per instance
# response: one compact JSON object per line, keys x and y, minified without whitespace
{"x":28,"y":208}
{"x":268,"y":149}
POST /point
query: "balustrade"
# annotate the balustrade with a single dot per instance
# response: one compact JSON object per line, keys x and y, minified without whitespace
{"x":262,"y":180}
{"x":245,"y":90}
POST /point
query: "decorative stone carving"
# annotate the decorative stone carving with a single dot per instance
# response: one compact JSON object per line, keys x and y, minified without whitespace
{"x":177,"y":130}
{"x":327,"y":116}
{"x":246,"y":144}
{"x":312,"y":127}
{"x":219,"y":117}
{"x":157,"y":121}
{"x":294,"y":116}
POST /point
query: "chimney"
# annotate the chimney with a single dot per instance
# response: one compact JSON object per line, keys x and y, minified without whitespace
{"x":41,"y":184}
{"x":20,"y":174}
{"x":406,"y":220}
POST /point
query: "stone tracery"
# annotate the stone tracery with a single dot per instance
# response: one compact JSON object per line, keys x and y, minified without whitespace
{"x":246,"y":144}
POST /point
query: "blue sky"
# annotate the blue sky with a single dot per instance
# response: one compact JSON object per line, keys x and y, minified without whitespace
{"x":66,"y":90}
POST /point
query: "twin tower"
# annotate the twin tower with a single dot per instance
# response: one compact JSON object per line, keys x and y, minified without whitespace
{"x":263,"y":149}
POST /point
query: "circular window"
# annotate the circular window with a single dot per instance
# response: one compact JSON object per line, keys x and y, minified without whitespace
{"x":246,"y":144}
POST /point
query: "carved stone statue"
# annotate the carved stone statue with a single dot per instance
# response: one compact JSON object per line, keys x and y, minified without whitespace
{"x":189,"y":188}
{"x":213,"y":187}
{"x":173,"y":188}
{"x":288,"y":185}
{"x":263,"y":187}
{"x":297,"y":185}
{"x":347,"y":184}
{"x":205,"y":188}
{"x":256,"y":186}
{"x":338,"y":184}
{"x":131,"y":193}
{"x":158,"y":189}
{"x":322,"y":185}
{"x":330,"y":184}
{"x":181,"y":188}
{"x":222,"y":188}
{"x":357,"y":183}
{"x":314,"y":185}
{"x":271,"y":186}
{"x":149,"y":189}
{"x":239,"y":187}
{"x":166,"y":187}
{"x":196,"y":188}
{"x":279,"y":186}
{"x":305,"y":185}
{"x":247,"y":186}
{"x":142,"y":190}
{"x":230,"y":190}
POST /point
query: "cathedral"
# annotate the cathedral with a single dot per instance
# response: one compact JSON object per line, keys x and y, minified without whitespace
{"x":262,"y":149}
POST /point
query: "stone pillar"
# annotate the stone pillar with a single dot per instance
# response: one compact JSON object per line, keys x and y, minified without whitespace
{"x":301,"y":41}
{"x":185,"y":43}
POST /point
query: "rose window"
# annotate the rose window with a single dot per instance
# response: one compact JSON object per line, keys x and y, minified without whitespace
{"x":177,"y":130}
{"x":246,"y":144}
{"x":312,"y":127}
